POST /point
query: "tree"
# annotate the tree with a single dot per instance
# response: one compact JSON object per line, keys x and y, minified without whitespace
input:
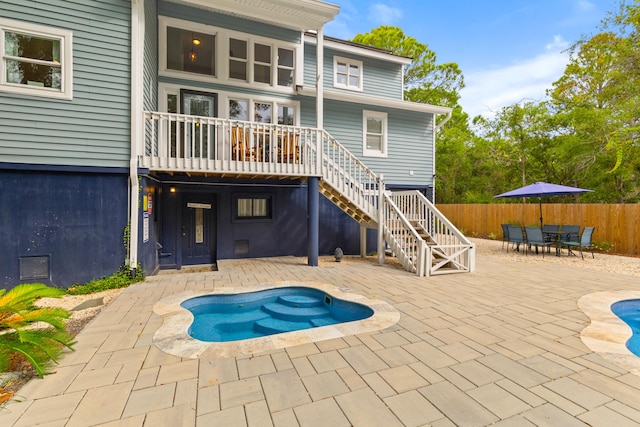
{"x":425,"y":81}
{"x":597,"y":101}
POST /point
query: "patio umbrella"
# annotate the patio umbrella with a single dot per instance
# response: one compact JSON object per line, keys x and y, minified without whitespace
{"x":542,"y":189}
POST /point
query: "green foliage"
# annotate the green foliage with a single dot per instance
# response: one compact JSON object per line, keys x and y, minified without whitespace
{"x":120,"y":279}
{"x":605,"y":247}
{"x":36,"y":333}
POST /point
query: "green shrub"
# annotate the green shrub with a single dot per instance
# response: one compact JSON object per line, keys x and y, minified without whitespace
{"x":36,"y":333}
{"x":120,"y":279}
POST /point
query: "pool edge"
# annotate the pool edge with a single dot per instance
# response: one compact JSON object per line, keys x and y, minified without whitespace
{"x":172,"y":336}
{"x":607,"y":334}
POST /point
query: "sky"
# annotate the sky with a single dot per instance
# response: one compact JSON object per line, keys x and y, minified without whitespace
{"x":508,"y":50}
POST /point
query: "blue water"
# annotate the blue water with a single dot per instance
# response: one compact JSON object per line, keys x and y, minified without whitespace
{"x":629,"y":312}
{"x":222,"y":318}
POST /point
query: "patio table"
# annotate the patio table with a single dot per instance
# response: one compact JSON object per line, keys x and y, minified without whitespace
{"x":557,"y":234}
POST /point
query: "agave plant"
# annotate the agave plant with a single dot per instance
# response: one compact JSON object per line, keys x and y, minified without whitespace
{"x":36,"y":333}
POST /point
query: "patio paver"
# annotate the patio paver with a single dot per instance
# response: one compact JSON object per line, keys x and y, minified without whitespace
{"x":500,"y":346}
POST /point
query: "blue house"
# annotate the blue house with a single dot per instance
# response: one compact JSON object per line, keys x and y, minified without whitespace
{"x":162,"y":134}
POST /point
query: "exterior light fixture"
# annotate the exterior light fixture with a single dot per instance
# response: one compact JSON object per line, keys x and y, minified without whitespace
{"x":196,"y":41}
{"x":172,"y":189}
{"x":193,"y":56}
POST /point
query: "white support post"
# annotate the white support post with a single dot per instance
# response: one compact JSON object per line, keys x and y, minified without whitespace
{"x":137,"y":51}
{"x":381,"y":210}
{"x":320,"y":80}
{"x":363,"y":239}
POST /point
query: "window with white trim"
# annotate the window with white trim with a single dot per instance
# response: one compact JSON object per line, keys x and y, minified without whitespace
{"x":35,"y":60}
{"x":347,"y":73}
{"x":261,"y":111}
{"x":195,"y":51}
{"x":253,"y":207}
{"x":191,"y":51}
{"x":374,"y":131}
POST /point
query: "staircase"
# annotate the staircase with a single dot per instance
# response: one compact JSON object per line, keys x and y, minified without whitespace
{"x":415,"y":231}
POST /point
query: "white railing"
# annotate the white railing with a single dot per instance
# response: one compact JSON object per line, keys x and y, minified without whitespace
{"x":195,"y":144}
{"x":450,"y":251}
{"x":403,"y":239}
{"x":349,"y":176}
{"x":183,"y":143}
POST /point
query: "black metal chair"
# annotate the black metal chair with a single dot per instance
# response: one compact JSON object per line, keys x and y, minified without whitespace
{"x":583,"y":241}
{"x":535,"y":237}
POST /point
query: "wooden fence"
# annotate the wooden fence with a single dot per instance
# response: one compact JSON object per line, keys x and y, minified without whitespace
{"x":616,"y":225}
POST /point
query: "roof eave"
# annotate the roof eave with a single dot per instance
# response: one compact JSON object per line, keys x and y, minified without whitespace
{"x":298,"y":15}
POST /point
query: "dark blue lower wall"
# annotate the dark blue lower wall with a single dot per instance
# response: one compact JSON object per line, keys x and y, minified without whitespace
{"x":285,"y":234}
{"x":76,"y":219}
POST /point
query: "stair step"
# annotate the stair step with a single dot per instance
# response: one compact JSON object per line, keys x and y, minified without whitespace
{"x":242,"y":321}
{"x":300,"y":301}
{"x":270,"y":326}
{"x":284,"y":312}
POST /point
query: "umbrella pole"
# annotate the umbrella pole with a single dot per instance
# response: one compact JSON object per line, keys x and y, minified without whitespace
{"x":540,"y":203}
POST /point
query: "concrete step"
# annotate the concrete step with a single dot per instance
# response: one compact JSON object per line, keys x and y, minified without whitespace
{"x":294,"y":314}
{"x":300,"y":301}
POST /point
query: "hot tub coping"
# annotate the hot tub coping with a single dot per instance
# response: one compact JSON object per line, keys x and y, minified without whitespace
{"x":172,"y":337}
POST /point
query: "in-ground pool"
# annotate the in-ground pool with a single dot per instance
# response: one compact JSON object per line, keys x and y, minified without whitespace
{"x":629,"y":312}
{"x":223,"y":318}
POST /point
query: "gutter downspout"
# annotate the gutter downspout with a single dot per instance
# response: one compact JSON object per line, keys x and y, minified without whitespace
{"x":137,"y":37}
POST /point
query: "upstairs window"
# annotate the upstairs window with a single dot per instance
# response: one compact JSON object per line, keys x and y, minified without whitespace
{"x":238,"y":59}
{"x":347,"y":73}
{"x":35,"y":60}
{"x":374,"y":132}
{"x":285,"y":67}
{"x":265,"y":68}
{"x":191,"y":51}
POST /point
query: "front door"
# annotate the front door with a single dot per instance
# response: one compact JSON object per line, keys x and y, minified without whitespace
{"x":198,"y":230}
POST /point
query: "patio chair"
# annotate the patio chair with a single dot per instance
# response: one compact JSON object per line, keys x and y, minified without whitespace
{"x":288,"y":148}
{"x":240,"y":148}
{"x":550,"y":228}
{"x":535,"y":237}
{"x":516,"y":236}
{"x":569,"y":233}
{"x":505,"y":235}
{"x":583,"y":241}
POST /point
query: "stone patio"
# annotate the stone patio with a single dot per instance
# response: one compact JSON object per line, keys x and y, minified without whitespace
{"x":497,"y":347}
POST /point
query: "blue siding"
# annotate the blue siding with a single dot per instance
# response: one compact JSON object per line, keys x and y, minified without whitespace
{"x":76,"y":218}
{"x":227,"y":21}
{"x":93,"y":128}
{"x":381,"y":78}
{"x":151,"y":56}
{"x":310,"y":65}
{"x":409,"y":141}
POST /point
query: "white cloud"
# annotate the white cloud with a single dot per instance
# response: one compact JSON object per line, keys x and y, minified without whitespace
{"x":382,"y":14}
{"x":487,"y":91}
{"x":378,"y":14}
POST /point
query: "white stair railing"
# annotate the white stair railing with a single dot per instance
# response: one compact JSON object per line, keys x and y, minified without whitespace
{"x":345,"y":173}
{"x":403,"y":239}
{"x":185,"y":143}
{"x":450,"y":251}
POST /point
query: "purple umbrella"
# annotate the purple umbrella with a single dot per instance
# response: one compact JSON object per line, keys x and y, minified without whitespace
{"x":542,"y":189}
